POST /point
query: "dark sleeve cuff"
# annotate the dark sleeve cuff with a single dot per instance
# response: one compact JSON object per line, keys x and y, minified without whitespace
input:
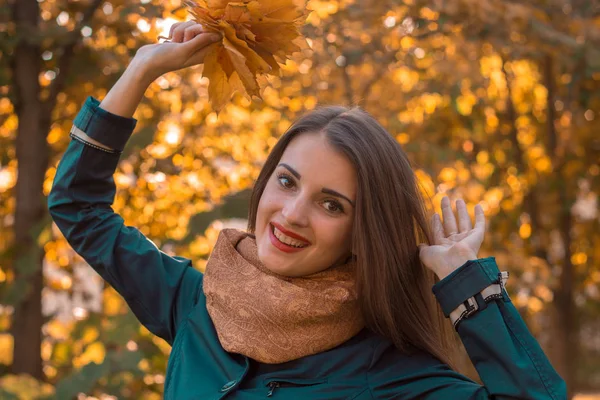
{"x":464,"y":282}
{"x":107,"y":128}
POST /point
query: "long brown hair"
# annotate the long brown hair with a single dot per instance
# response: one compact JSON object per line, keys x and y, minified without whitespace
{"x":394,"y":288}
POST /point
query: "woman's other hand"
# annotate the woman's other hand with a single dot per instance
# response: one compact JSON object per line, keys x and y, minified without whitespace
{"x":453,"y":243}
{"x":188,"y":46}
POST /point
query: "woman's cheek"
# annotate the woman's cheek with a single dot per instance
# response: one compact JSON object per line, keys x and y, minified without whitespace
{"x":343,"y":237}
{"x":332,"y":233}
{"x":272,"y":202}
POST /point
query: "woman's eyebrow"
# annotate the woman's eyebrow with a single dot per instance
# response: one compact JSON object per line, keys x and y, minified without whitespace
{"x":292,"y":170}
{"x":324,"y":190}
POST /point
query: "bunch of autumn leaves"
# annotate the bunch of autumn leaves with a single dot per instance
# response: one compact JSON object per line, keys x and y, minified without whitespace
{"x":257,"y":35}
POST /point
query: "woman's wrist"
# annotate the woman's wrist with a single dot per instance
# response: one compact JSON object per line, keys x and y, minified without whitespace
{"x":125,"y":96}
{"x":454,"y":262}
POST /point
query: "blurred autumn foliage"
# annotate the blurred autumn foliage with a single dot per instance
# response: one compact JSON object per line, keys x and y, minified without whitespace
{"x":496,"y":101}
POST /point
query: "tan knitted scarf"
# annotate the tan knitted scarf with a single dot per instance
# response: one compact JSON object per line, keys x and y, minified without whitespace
{"x":272,"y":318}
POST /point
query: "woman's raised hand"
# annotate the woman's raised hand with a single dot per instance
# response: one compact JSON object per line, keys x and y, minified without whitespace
{"x":188,"y":46}
{"x":453,"y":244}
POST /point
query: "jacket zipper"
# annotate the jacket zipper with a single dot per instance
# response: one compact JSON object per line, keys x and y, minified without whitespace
{"x":272,"y":386}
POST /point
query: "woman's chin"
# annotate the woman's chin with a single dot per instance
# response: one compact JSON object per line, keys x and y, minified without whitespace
{"x":281,"y":263}
{"x":280,"y":268}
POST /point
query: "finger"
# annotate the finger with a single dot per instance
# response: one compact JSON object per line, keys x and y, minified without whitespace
{"x":171,"y":30}
{"x":449,"y":219}
{"x":479,"y":218}
{"x":460,"y":236}
{"x":179,"y":31}
{"x":437,"y":229}
{"x":191,"y":32}
{"x":464,"y":220}
{"x":200,"y":41}
{"x":170,"y":36}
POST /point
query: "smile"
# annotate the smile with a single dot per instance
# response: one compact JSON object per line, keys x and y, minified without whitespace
{"x":283,"y":242}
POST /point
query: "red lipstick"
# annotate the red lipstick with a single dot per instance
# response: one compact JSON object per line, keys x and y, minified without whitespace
{"x":282,"y":246}
{"x":289,"y":233}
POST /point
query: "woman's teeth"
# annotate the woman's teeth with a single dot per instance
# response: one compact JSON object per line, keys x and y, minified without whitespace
{"x":287,"y":240}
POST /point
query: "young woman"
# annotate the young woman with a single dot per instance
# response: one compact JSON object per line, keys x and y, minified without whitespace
{"x":328,"y":294}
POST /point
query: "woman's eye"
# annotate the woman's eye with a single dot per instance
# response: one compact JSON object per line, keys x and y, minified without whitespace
{"x":284,"y":177}
{"x":334,"y":208}
{"x":337,"y":207}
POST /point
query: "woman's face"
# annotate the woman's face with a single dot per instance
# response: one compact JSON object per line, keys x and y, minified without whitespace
{"x":311,"y":193}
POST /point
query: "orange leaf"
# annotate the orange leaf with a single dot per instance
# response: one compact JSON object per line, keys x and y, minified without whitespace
{"x":236,"y":13}
{"x":258,"y":35}
{"x":236,"y":85}
{"x":239,"y":63}
{"x":225,"y":61}
{"x":219,"y":90}
{"x":255,"y":62}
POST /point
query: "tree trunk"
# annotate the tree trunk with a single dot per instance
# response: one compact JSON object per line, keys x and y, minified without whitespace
{"x":567,"y":324}
{"x":33,"y":153}
{"x":565,"y":317}
{"x":32,"y":156}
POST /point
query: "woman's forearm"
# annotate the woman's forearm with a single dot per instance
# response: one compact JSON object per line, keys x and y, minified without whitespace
{"x":508,"y":359}
{"x":125,"y":96}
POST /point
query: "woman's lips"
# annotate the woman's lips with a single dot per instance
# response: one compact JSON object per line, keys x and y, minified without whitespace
{"x":280,"y":245}
{"x":293,"y":235}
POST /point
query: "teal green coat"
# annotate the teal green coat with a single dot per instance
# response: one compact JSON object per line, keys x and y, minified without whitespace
{"x":165,"y":293}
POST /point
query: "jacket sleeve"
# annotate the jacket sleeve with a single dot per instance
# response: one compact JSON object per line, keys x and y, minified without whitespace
{"x":508,"y":359}
{"x":160,"y":290}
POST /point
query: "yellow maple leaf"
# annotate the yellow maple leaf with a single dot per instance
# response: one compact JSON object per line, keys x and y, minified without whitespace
{"x":257,"y":36}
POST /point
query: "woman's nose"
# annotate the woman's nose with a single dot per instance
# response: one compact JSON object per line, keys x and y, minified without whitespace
{"x":294,"y":212}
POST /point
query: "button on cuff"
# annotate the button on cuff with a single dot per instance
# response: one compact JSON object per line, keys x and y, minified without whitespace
{"x":228,"y":386}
